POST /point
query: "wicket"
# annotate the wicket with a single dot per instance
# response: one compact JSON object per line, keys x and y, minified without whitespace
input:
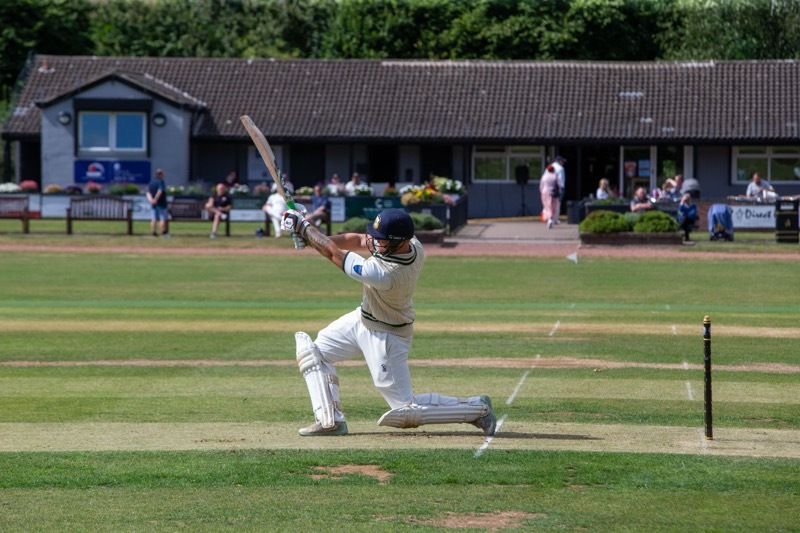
{"x":707,"y":364}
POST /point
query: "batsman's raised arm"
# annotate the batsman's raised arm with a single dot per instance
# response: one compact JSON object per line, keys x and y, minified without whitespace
{"x":333,"y":248}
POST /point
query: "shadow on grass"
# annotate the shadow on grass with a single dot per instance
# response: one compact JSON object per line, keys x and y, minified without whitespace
{"x":501,"y":435}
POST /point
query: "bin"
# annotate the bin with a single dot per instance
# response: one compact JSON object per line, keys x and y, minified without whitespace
{"x":786,"y":220}
{"x":574,"y":212}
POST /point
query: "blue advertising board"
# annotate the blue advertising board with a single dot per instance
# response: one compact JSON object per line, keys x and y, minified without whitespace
{"x":112,"y":171}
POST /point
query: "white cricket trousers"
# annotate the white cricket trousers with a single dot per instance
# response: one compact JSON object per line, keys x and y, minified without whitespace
{"x":386,"y":355}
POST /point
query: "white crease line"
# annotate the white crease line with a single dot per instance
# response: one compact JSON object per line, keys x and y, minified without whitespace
{"x":489,"y":439}
{"x":674,"y":330}
{"x":688,"y":384}
{"x":516,"y":390}
{"x":555,"y":328}
{"x":703,"y":440}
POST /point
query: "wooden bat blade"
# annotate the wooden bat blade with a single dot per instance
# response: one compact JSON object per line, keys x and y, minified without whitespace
{"x":268,"y":156}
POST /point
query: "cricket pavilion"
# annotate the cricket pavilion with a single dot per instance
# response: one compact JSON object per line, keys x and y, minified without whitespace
{"x":493,"y":125}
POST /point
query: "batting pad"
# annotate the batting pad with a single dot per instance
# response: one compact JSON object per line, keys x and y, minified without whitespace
{"x":322,"y":388}
{"x":432,"y":408}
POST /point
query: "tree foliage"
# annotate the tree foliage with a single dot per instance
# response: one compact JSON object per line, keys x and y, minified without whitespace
{"x":46,"y":26}
{"x":614,"y":30}
{"x":721,"y":29}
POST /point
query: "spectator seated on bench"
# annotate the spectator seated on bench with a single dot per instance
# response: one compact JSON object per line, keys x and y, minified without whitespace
{"x":100,"y":207}
{"x":16,"y":207}
{"x":219,"y":208}
{"x":320,"y":207}
{"x":192,"y":210}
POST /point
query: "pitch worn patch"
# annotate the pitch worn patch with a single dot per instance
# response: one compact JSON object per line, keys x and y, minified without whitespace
{"x":336,"y":472}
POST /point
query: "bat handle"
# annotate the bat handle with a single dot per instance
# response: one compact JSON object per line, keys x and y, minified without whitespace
{"x":299,"y":242}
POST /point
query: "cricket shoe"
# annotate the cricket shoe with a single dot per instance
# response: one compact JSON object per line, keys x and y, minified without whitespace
{"x":316,"y":430}
{"x":488,"y":422}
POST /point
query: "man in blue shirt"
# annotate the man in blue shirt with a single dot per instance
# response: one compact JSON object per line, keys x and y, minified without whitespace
{"x":320,"y":207}
{"x":157,"y":196}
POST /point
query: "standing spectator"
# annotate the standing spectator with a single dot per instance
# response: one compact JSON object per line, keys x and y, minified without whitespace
{"x":692,"y":186}
{"x":604,"y":190}
{"x":687,"y":215}
{"x":335,"y":186}
{"x":288,"y":186}
{"x":157,"y":196}
{"x":219,"y":208}
{"x":759,"y":188}
{"x":231,"y":179}
{"x":550,"y":193}
{"x":640,"y":201}
{"x":561,"y":175}
{"x":320,"y":207}
{"x":352,"y":185}
{"x":677,"y":184}
{"x":275,"y":207}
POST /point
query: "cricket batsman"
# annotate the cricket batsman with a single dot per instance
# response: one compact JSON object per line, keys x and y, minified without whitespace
{"x":380,"y":330}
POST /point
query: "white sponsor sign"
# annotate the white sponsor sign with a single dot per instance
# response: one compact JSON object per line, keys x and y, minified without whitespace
{"x":337,"y":208}
{"x":753,"y":216}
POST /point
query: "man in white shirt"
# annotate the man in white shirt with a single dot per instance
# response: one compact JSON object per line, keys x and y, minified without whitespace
{"x":351,"y":186}
{"x":558,"y":166}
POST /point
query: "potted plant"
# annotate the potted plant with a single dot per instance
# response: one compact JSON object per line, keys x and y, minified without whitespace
{"x":262,"y":189}
{"x":93,"y":188}
{"x":362,"y":189}
{"x":9,"y":188}
{"x":29,"y":186}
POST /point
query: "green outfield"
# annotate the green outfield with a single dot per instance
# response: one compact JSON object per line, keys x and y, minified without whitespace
{"x":153,"y":388}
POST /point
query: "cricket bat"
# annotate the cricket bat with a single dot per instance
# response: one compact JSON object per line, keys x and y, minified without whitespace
{"x":269,"y":158}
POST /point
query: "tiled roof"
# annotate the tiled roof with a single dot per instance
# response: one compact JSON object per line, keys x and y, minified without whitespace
{"x":454,"y":101}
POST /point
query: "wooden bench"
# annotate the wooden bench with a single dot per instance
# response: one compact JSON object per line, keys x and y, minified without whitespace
{"x":193,"y":210}
{"x":100,"y":207}
{"x":16,"y":207}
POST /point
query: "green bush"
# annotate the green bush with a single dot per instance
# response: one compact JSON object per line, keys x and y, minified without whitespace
{"x":355,"y":225}
{"x":425,"y":222}
{"x":655,"y":222}
{"x":123,"y":188}
{"x":604,"y":222}
{"x":422,"y":222}
{"x":610,"y":201}
{"x":632,"y":218}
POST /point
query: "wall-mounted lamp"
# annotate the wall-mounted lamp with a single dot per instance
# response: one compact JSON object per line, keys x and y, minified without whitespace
{"x":64,"y":118}
{"x":159,"y":119}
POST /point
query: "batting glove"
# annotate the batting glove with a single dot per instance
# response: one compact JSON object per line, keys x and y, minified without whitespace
{"x":293,"y":221}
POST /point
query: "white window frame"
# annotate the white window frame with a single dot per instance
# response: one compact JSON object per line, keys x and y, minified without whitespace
{"x":112,"y":133}
{"x":508,"y":153}
{"x":742,"y":176}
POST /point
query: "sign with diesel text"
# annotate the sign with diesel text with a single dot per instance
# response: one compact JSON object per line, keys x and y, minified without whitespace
{"x":753,"y":216}
{"x":112,"y":171}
